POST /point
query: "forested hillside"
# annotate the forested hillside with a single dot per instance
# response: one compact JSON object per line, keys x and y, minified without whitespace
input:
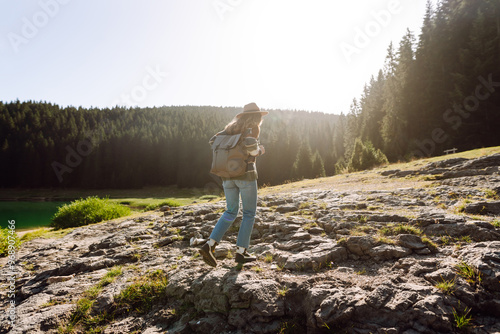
{"x":436,"y":91}
{"x":439,"y":91}
{"x":43,"y":145}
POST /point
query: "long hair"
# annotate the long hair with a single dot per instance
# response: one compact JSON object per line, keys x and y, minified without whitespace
{"x":240,"y":124}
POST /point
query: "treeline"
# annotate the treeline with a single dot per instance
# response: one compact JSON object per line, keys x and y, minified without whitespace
{"x":437,"y":92}
{"x":43,"y":145}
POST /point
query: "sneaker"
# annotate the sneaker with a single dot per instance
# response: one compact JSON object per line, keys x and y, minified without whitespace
{"x":245,"y":257}
{"x":208,"y":254}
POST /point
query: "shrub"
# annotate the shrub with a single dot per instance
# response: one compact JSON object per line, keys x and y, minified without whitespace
{"x":87,"y":211}
{"x":8,"y":238}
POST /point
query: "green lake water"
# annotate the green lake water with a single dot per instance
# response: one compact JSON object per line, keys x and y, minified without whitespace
{"x":28,"y":214}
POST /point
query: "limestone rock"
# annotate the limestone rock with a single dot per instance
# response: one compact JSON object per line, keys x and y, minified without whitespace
{"x":324,"y":266}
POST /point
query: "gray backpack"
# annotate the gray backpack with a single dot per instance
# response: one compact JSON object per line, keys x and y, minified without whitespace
{"x":229,"y":156}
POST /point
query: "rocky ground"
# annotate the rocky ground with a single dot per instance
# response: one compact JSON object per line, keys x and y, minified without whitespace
{"x":393,"y":251}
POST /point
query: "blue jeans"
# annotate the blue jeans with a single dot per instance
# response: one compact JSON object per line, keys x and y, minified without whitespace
{"x":232,"y":190}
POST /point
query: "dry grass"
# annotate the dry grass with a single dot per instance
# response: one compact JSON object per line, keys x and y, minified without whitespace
{"x":371,"y":179}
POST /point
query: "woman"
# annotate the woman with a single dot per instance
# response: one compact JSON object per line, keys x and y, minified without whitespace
{"x":244,"y":185}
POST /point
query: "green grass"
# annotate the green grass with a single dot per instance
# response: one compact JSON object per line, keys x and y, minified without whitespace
{"x":169,"y":202}
{"x":308,"y":226}
{"x":282,"y":292}
{"x":257,"y":269}
{"x":466,"y":239}
{"x":362,"y":219}
{"x":446,"y":240}
{"x":430,"y":244}
{"x":342,"y":241}
{"x":463,"y":320}
{"x":463,"y":203}
{"x":52,"y":302}
{"x":286,"y":328}
{"x":360,"y":230}
{"x":470,"y":274}
{"x":384,"y":240}
{"x":139,"y":296}
{"x":45,"y":233}
{"x":392,"y":229}
{"x":81,"y":316}
{"x":491,"y":194}
{"x":447,"y":287}
{"x":9,"y":241}
{"x":87,"y":211}
{"x":144,"y":292}
{"x":304,"y":205}
{"x":209,"y":197}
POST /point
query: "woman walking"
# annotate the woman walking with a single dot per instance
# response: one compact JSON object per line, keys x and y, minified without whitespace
{"x":244,"y":185}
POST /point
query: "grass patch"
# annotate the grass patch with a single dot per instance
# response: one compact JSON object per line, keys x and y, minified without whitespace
{"x":53,"y":302}
{"x":461,"y":206}
{"x":282,"y":292}
{"x":360,"y":230}
{"x":286,"y":328}
{"x":491,"y":194}
{"x":496,"y":223}
{"x":446,"y":240}
{"x":280,"y":266}
{"x":470,"y":274}
{"x":87,"y":211}
{"x":304,"y":205}
{"x":81,"y":316}
{"x":268,"y":258}
{"x":342,"y":241}
{"x":392,"y":229}
{"x":361,"y":272}
{"x":446,"y":287}
{"x":28,"y":266}
{"x":466,"y":239}
{"x":257,"y":269}
{"x":462,"y":319}
{"x":9,"y":241}
{"x":430,"y":244}
{"x":308,"y":226}
{"x":143,"y":293}
{"x":45,"y":233}
{"x":209,"y":197}
{"x":384,"y":240}
{"x":160,"y":203}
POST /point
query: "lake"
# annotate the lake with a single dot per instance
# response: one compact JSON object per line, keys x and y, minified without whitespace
{"x":28,"y":214}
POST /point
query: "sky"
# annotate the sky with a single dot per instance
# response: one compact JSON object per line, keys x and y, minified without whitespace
{"x":313,"y":55}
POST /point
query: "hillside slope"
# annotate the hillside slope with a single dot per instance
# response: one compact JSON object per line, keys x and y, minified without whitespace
{"x":359,"y":253}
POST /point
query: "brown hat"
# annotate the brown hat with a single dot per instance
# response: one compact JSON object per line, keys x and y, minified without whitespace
{"x":251,"y":108}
